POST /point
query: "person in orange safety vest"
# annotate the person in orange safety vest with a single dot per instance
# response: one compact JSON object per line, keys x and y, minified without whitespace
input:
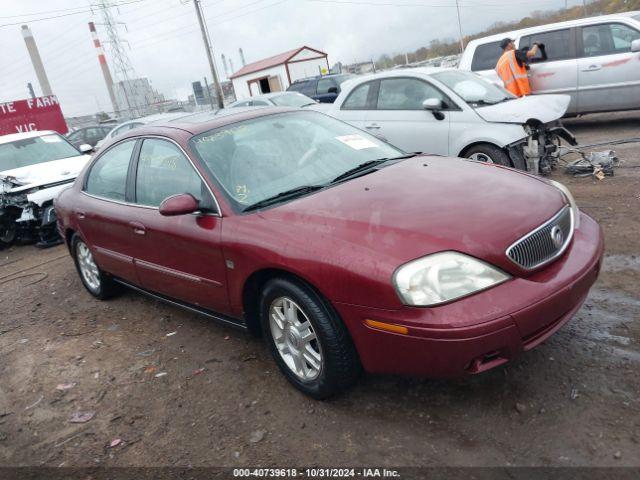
{"x":512,"y":67}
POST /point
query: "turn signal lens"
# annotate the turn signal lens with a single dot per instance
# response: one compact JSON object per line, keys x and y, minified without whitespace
{"x":389,"y":327}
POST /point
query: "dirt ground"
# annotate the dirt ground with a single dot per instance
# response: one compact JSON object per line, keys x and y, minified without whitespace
{"x":572,"y":401}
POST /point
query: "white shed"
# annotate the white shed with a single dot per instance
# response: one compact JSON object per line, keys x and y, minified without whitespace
{"x":276,"y":73}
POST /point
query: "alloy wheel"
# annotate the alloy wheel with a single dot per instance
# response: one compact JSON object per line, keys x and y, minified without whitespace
{"x":295,"y":339}
{"x":481,"y":157}
{"x":88,"y":267}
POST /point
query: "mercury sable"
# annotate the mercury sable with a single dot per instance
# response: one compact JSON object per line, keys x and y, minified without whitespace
{"x":344,"y":252}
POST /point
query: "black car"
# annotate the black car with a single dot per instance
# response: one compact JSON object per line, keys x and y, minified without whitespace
{"x":89,"y":135}
{"x":323,"y":88}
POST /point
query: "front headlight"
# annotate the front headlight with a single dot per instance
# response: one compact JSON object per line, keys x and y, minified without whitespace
{"x":442,"y":277}
{"x":567,"y":195}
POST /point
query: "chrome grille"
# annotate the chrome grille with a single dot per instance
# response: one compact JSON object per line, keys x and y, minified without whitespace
{"x":538,"y":247}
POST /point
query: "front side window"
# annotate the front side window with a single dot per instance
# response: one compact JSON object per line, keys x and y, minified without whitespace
{"x":34,"y":150}
{"x":558,"y":45}
{"x":163,"y":170}
{"x":108,"y":175}
{"x":357,"y":99}
{"x":406,"y":94}
{"x":607,"y":39}
{"x":259,"y":158}
{"x":486,"y":56}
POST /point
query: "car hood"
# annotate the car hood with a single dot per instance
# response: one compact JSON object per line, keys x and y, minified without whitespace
{"x":42,"y":174}
{"x":425,"y":205}
{"x":545,"y":108}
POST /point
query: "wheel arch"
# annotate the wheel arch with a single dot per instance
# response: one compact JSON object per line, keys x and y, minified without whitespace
{"x":464,"y":151}
{"x":254,"y":284}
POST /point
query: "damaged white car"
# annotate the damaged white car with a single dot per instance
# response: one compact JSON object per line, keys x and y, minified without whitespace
{"x":34,"y":168}
{"x":456,"y":113}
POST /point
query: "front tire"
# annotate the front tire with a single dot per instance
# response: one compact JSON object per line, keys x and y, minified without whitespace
{"x":307,"y":339}
{"x":98,"y":283}
{"x":485,"y":152}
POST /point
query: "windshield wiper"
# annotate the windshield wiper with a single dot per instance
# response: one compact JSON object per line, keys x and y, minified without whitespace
{"x":368,"y":167}
{"x":282,"y":196}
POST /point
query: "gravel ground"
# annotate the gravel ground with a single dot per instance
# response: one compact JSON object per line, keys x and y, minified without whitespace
{"x":572,"y":401}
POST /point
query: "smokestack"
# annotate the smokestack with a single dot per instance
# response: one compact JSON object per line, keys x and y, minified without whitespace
{"x":36,"y":61}
{"x":105,"y":68}
{"x":242,"y":57}
{"x":231,"y":66}
{"x":224,"y":64}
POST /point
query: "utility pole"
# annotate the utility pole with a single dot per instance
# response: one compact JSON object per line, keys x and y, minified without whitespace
{"x":207,"y":46}
{"x":460,"y":27}
{"x":584,"y":7}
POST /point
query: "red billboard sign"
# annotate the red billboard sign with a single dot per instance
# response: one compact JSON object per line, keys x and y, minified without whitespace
{"x":40,"y":113}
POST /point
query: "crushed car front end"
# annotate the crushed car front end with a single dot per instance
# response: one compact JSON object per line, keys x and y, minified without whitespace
{"x":27,"y":213}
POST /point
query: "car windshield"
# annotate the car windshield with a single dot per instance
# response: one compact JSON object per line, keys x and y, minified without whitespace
{"x":259,"y":158}
{"x":296,"y":100}
{"x":31,"y":151}
{"x":472,"y":88}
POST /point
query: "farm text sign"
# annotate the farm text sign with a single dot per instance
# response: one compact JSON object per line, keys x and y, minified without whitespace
{"x":40,"y":113}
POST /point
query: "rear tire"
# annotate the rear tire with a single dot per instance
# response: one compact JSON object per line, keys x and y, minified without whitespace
{"x":8,"y":234}
{"x":485,"y":152}
{"x":98,"y":283}
{"x":307,"y":339}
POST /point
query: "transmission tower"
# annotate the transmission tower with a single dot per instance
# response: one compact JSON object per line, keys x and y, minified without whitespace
{"x":122,"y":67}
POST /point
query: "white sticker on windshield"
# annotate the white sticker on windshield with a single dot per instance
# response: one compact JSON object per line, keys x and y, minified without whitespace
{"x":356,"y":142}
{"x":51,"y":139}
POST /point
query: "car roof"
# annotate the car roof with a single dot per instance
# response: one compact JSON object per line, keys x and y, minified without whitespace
{"x":405,"y":72}
{"x":221,"y":119}
{"x":552,"y":26}
{"x":316,"y":77}
{"x":12,"y":137}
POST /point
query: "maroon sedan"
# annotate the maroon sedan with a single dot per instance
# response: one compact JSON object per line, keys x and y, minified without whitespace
{"x":341,"y":250}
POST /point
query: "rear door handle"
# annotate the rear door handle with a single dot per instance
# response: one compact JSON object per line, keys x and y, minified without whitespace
{"x":372,"y":126}
{"x":138,"y":228}
{"x":592,"y":68}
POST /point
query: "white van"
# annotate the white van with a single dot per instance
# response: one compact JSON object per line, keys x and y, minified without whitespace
{"x":595,"y":60}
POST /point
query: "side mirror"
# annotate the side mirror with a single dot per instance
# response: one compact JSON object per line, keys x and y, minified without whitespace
{"x":85,"y":148}
{"x":180,"y":204}
{"x":635,"y":45}
{"x":434,"y":105}
{"x":333,"y":90}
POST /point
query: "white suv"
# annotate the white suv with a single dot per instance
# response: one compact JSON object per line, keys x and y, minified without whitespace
{"x":594,"y":60}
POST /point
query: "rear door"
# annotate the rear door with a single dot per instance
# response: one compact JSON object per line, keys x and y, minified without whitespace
{"x":104,"y":216}
{"x":400,"y":118}
{"x":357,"y":105}
{"x":609,"y":73}
{"x":179,"y":257}
{"x":558,"y":73}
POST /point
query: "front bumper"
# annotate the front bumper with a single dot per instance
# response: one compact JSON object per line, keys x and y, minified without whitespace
{"x":484,"y":330}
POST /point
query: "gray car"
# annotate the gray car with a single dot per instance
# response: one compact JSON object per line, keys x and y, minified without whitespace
{"x":278,"y":99}
{"x":594,"y":60}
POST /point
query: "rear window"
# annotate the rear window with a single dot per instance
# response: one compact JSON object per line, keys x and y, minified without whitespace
{"x":306,"y":87}
{"x":558,"y":45}
{"x":486,"y":56}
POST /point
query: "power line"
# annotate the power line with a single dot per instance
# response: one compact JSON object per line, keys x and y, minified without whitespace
{"x":124,"y":2}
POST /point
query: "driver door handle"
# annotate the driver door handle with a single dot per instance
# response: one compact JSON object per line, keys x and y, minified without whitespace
{"x":138,"y":228}
{"x":592,"y":68}
{"x":372,"y":126}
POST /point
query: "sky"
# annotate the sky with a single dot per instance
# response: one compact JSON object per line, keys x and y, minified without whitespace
{"x":165,"y":44}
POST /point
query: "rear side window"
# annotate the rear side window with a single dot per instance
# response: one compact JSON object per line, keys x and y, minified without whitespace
{"x":357,"y":99}
{"x":558,"y":45}
{"x":486,"y":56}
{"x":108,"y":175}
{"x":607,"y":39}
{"x":324,"y":84}
{"x":306,"y":87}
{"x":163,"y":170}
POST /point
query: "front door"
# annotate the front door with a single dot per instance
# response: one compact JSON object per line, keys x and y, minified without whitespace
{"x":558,"y":72}
{"x":400,"y":118}
{"x":608,"y":72}
{"x":104,"y":217}
{"x":180,"y":257}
